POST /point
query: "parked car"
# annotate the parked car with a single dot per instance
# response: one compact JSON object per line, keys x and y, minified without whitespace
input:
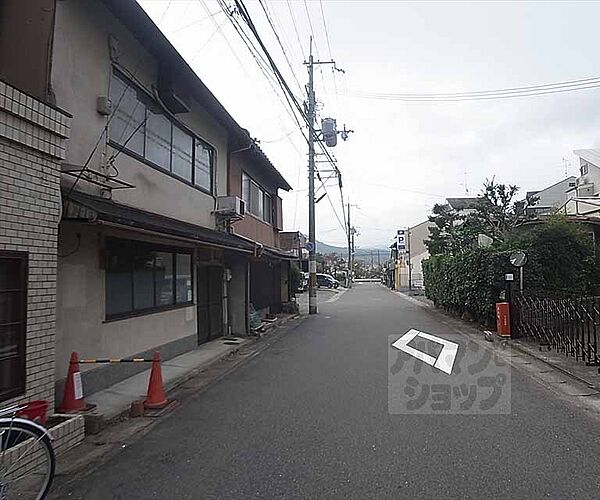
{"x":326,"y":280}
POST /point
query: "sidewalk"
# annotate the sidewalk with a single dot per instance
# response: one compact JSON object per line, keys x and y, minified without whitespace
{"x":116,"y":400}
{"x":189,"y":375}
{"x":566,"y":364}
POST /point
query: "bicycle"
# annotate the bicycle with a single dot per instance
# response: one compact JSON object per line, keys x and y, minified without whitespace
{"x":27,"y":460}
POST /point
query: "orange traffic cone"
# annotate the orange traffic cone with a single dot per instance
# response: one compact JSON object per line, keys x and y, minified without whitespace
{"x":156,"y":393}
{"x":73,"y":398}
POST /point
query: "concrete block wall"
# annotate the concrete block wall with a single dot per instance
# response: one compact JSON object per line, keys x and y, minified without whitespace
{"x":32,"y":144}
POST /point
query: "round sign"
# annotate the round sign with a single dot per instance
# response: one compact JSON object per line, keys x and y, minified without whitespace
{"x":518,"y":258}
{"x":310,"y":246}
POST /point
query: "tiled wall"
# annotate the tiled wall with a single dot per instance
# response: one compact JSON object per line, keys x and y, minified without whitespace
{"x":32,"y":143}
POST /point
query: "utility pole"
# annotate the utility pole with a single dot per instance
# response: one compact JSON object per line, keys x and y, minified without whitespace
{"x":352,"y":253}
{"x":349,"y":249}
{"x":329,"y":135}
{"x":312,"y":255}
{"x":409,"y":261}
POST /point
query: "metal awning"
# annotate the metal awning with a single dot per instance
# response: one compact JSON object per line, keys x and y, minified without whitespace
{"x":87,"y":208}
{"x":279,"y":254}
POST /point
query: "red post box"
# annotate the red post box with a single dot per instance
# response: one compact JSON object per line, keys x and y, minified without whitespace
{"x":503,"y":319}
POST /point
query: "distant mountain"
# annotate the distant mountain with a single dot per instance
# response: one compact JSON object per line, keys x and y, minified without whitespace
{"x":324,"y":248}
{"x":359,"y":254}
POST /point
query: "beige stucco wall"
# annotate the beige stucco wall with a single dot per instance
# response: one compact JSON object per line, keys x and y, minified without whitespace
{"x":81,"y":325}
{"x":81,"y":72}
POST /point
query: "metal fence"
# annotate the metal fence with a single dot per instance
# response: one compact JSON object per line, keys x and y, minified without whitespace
{"x":567,"y":324}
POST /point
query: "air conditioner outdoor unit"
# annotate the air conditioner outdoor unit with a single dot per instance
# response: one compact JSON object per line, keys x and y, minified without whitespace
{"x":231,"y":206}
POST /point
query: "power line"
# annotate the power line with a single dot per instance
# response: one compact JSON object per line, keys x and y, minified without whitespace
{"x":194,"y":23}
{"x":328,"y":46}
{"x":262,"y":4}
{"x":292,"y":101}
{"x":290,"y":97}
{"x":325,"y":27}
{"x":223,"y":35}
{"x":310,"y":24}
{"x":165,"y":12}
{"x":411,"y":191}
{"x":311,"y":27}
{"x":258,"y":59}
{"x":509,"y":89}
{"x":281,"y":27}
{"x":208,"y":40}
{"x":489,"y":98}
{"x":289,"y":5}
{"x":505,"y":93}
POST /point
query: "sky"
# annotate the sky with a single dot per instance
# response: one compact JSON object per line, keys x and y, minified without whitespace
{"x":403,"y":157}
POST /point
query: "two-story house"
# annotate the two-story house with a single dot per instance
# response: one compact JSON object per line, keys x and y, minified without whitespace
{"x":583,"y":199}
{"x":145,"y":260}
{"x":548,"y":200}
{"x":295,"y":242}
{"x":258,"y":187}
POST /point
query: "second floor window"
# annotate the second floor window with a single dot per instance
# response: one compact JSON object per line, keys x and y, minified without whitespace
{"x":258,"y":201}
{"x":140,"y":127}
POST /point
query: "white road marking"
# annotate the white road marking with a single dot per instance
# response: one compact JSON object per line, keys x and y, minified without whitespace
{"x":445,"y":359}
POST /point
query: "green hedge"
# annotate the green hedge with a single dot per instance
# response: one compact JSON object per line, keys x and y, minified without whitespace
{"x":561,"y":258}
{"x":468,"y":283}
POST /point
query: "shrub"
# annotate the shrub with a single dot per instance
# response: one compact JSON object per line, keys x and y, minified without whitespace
{"x":561,"y":258}
{"x":295,"y":277}
{"x":469,"y":282}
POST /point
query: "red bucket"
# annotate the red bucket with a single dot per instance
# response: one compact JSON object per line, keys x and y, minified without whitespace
{"x":35,"y":410}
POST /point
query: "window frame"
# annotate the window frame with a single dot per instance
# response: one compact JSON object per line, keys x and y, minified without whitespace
{"x":149,"y":99}
{"x":152,"y":247}
{"x":21,"y":376}
{"x":262,"y":193}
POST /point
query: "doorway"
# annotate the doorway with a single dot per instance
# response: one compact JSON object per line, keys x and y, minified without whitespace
{"x":210,"y":303}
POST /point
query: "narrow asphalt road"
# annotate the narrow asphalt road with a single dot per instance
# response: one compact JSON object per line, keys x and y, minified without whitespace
{"x":332,"y":410}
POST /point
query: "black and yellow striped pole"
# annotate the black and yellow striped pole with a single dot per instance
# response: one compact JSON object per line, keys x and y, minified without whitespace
{"x":113,"y":360}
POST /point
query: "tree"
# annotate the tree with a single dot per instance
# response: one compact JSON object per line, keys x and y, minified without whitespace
{"x":439,"y":235}
{"x":452,"y":232}
{"x":497,"y":211}
{"x":561,"y":255}
{"x":495,"y":214}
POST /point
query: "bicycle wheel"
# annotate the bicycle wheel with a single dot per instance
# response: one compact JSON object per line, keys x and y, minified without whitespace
{"x":27,"y":461}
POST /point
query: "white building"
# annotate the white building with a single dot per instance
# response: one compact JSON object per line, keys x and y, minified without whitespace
{"x":583,"y":198}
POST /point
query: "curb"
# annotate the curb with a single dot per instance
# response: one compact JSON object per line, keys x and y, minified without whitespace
{"x":90,"y":454}
{"x":515,"y":344}
{"x":530,"y":352}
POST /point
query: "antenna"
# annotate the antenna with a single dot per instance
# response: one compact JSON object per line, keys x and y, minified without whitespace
{"x":466,"y":184}
{"x":566,"y":164}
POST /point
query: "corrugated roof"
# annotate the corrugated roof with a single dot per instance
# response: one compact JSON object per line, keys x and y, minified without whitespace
{"x":109,"y":211}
